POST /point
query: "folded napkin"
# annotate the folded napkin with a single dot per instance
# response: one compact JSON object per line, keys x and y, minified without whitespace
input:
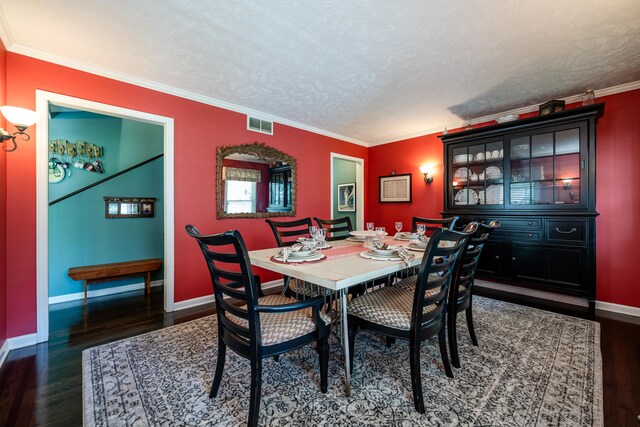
{"x":404,"y":254}
{"x":296,"y":247}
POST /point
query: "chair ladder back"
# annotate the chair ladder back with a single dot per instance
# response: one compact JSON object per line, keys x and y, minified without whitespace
{"x":334,"y":226}
{"x":438,"y":260}
{"x":240,"y":285}
{"x":431,"y":224}
{"x":284,"y":230}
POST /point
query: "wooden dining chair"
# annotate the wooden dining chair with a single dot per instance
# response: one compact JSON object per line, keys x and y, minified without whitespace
{"x":431,"y":224}
{"x":337,"y":229}
{"x":287,"y":232}
{"x":414,"y":314}
{"x":261,"y":326}
{"x":460,"y":294}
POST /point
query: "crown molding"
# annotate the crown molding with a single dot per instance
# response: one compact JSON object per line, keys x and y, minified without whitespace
{"x":170,"y":90}
{"x":5,"y":33}
{"x":461,"y":124}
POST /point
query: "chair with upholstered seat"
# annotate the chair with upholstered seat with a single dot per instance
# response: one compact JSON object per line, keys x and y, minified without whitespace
{"x":431,"y":224}
{"x":337,"y":229}
{"x":461,"y":297}
{"x":414,"y":314}
{"x":286,"y":234}
{"x":264,"y":326}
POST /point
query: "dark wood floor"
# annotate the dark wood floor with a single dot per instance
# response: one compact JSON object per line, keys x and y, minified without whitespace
{"x":42,"y":384}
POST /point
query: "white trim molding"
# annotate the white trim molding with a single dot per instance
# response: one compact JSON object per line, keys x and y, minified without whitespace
{"x":4,"y":352}
{"x":102,"y":292}
{"x":523,"y":110}
{"x":22,"y":341}
{"x":618,"y":308}
{"x":207,"y":299}
{"x":43,"y":99}
{"x":359,"y":225}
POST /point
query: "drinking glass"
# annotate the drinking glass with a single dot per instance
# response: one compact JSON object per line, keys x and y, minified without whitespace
{"x":421,"y":229}
{"x":321,"y":236}
{"x":369,"y":226}
{"x":380,"y":232}
{"x":312,"y":230}
{"x":398,"y":226}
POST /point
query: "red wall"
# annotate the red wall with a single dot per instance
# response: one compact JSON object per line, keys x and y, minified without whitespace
{"x":3,"y":203}
{"x":199,"y":129}
{"x":617,"y":195}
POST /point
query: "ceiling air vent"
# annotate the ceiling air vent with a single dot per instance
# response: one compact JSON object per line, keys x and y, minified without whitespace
{"x":257,"y":125}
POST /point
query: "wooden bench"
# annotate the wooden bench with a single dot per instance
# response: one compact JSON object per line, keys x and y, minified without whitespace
{"x":116,"y":271}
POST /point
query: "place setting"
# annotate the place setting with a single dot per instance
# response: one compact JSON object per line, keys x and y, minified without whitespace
{"x":380,"y":251}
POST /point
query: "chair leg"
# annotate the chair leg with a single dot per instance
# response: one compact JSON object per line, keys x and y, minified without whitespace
{"x":472,"y":331}
{"x":416,"y":377}
{"x":276,"y":358}
{"x":389,"y":341}
{"x":222,"y":351}
{"x":453,"y":336}
{"x":256,"y":391}
{"x":352,"y":324}
{"x":442,"y":341}
{"x":323,"y":345}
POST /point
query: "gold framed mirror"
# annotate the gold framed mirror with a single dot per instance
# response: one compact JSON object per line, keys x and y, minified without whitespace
{"x":254,"y":181}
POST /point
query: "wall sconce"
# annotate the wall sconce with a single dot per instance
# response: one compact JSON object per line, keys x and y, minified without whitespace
{"x":21,"y":118}
{"x":567,"y":184}
{"x":426,"y":170}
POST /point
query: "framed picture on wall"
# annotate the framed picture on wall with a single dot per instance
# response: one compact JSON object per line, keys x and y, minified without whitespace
{"x":347,"y":197}
{"x":395,"y":188}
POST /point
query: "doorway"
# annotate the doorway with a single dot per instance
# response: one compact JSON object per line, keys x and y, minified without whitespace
{"x":347,"y":183}
{"x":43,"y":101}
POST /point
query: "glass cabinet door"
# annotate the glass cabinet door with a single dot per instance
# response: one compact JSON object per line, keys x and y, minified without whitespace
{"x":545,"y":168}
{"x":477,"y":174}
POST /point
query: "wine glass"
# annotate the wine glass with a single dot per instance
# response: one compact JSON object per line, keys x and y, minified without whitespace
{"x":421,"y":229}
{"x":312,"y":231}
{"x":369,"y":226}
{"x":380,"y":232}
{"x":321,"y":236}
{"x":398,"y":226}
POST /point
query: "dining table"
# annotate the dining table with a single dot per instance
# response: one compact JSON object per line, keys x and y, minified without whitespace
{"x":344,"y":265}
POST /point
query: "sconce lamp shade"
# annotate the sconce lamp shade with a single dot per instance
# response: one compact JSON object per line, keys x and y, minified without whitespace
{"x":21,"y":118}
{"x":426,"y":170}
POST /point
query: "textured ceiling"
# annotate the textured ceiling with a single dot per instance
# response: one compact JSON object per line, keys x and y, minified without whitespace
{"x":374,"y":71}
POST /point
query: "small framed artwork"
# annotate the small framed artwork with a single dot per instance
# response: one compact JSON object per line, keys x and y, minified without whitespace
{"x":347,"y":197}
{"x":395,"y":188}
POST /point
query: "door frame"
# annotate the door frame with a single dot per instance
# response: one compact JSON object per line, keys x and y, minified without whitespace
{"x":43,"y":99}
{"x":359,"y":225}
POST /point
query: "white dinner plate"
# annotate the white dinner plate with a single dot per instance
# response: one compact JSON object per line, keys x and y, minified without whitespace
{"x":462,"y":174}
{"x":369,"y":255}
{"x":466,"y":196}
{"x":404,"y":236}
{"x":493,"y":172}
{"x":317,"y":257}
{"x":417,"y":246}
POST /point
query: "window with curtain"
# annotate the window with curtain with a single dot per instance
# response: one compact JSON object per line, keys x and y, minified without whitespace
{"x":240,"y":189}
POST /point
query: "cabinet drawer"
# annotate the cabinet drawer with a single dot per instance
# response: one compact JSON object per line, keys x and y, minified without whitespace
{"x":523,"y":235}
{"x":561,"y":230}
{"x":517,"y":224}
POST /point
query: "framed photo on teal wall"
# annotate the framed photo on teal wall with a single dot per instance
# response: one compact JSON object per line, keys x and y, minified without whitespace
{"x":347,"y":197}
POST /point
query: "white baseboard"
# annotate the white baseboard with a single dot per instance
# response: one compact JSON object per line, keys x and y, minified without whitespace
{"x":566,"y":299}
{"x":101,"y":292}
{"x":194,"y":302}
{"x":4,"y":351}
{"x":22,"y":341}
{"x":618,"y":308}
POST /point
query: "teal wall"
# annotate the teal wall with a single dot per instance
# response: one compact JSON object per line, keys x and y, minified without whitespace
{"x":79,"y":233}
{"x":125,"y":143}
{"x":344,"y":172}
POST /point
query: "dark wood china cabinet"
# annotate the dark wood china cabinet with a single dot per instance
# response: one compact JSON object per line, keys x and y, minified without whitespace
{"x":537,"y":177}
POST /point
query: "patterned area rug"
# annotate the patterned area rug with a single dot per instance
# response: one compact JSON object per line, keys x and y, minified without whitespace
{"x":532,"y":368}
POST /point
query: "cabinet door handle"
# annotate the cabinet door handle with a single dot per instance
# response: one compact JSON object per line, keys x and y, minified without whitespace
{"x":573,"y":230}
{"x":513,"y":259}
{"x":497,"y":256}
{"x":530,"y":235}
{"x":530,"y":223}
